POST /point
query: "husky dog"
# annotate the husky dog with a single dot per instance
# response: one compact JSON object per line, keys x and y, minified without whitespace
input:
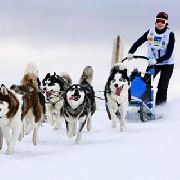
{"x":10,"y":118}
{"x":54,"y":87}
{"x":79,"y":105}
{"x":32,"y":110}
{"x":116,"y":94}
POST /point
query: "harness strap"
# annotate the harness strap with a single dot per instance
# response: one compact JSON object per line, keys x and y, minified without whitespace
{"x":99,"y":97}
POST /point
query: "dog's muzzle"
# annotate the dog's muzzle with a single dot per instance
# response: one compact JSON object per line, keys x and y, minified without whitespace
{"x":76,"y":96}
{"x":118,"y":90}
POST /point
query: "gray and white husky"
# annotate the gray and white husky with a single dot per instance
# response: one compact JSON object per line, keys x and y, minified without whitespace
{"x":79,"y":105}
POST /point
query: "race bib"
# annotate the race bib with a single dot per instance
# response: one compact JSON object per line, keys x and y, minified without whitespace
{"x":157,"y":40}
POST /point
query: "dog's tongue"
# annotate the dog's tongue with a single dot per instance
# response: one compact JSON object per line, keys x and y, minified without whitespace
{"x":118,"y":91}
{"x":72,"y":98}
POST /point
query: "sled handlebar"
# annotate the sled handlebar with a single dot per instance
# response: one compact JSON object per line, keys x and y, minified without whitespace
{"x":136,"y":57}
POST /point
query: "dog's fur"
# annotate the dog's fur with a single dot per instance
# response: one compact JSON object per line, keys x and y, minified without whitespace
{"x":116,"y":94}
{"x":54,"y":87}
{"x":10,"y":118}
{"x":31,"y":110}
{"x":79,"y":105}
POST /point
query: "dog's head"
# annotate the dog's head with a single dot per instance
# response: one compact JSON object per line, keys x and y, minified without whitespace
{"x":75,"y":95}
{"x":21,"y":89}
{"x":53,"y":86}
{"x":9,"y":102}
{"x":118,"y":80}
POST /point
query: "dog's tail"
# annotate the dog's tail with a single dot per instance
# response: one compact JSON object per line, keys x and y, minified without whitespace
{"x":31,"y":69}
{"x":87,"y":75}
{"x":30,"y":78}
{"x":66,"y":77}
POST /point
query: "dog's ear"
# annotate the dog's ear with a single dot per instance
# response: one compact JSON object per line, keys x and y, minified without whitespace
{"x":68,"y":89}
{"x":107,"y":88}
{"x":114,"y":70}
{"x":65,"y":94}
{"x":4,"y":90}
{"x":39,"y":82}
{"x":125,"y":71}
{"x":125,"y":76}
{"x":2,"y":85}
{"x":48,"y":75}
{"x":13,"y":87}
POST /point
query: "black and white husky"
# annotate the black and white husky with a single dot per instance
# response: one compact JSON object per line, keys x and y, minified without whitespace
{"x":54,"y":87}
{"x":116,"y":94}
{"x":79,"y":105}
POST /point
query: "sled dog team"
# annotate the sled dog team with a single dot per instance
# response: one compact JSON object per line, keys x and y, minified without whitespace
{"x":23,"y":107}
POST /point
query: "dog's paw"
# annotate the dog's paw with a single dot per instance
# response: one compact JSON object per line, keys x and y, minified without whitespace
{"x":78,"y":138}
{"x":89,"y":127}
{"x":77,"y":141}
{"x":113,"y":125}
{"x":20,"y":138}
{"x":57,"y":125}
{"x":122,"y":129}
{"x":9,"y":151}
{"x":35,"y":142}
{"x":70,"y":134}
{"x":56,"y":128}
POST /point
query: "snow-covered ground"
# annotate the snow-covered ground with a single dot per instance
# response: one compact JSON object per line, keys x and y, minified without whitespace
{"x":145,"y":151}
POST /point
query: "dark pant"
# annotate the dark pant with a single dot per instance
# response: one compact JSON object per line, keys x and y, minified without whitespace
{"x":165,"y":75}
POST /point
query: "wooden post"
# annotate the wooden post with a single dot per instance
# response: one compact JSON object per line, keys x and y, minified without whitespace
{"x":117,"y":51}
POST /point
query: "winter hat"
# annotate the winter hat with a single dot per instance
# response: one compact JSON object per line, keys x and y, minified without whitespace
{"x":162,"y":15}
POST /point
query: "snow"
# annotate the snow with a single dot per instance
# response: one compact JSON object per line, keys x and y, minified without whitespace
{"x":145,"y":151}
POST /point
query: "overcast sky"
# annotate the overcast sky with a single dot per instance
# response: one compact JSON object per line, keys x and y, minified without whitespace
{"x":66,"y":35}
{"x":82,"y":20}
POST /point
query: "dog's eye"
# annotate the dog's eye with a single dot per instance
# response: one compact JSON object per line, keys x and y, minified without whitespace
{"x":51,"y":84}
{"x":123,"y":80}
{"x":114,"y":80}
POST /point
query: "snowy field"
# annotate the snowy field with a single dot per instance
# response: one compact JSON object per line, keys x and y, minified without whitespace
{"x":145,"y":151}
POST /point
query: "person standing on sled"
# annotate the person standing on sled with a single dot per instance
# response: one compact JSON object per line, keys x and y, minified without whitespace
{"x":160,"y":44}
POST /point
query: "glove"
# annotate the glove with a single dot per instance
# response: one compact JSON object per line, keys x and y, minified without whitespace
{"x":152,"y":62}
{"x":130,"y":56}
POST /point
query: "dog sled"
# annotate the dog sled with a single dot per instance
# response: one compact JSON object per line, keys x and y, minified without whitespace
{"x":141,"y":92}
